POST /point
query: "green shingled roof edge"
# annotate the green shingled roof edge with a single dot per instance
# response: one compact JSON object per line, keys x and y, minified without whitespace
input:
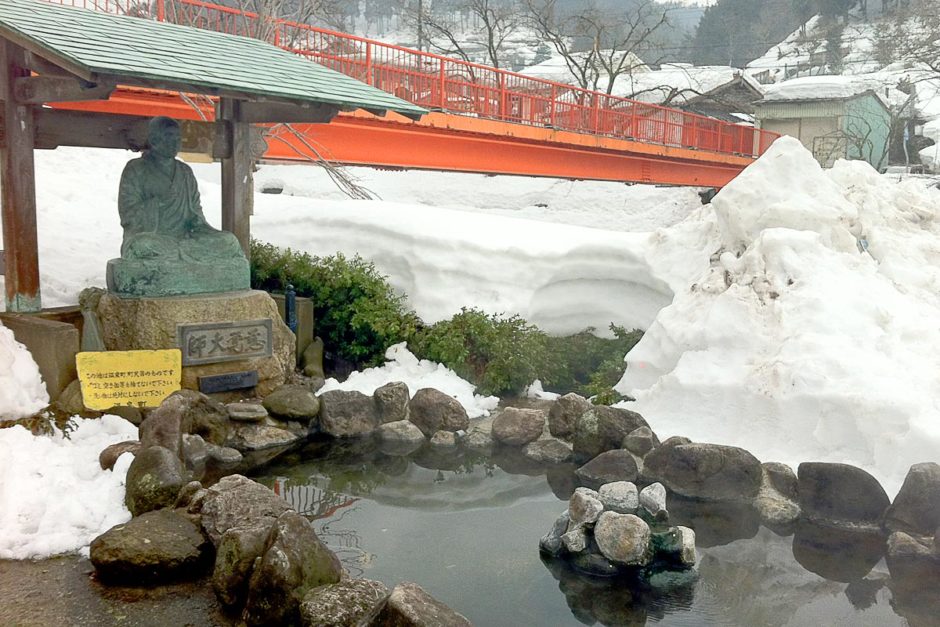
{"x":34,"y":22}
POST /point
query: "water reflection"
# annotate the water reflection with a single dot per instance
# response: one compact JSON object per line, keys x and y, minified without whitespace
{"x":466,"y":527}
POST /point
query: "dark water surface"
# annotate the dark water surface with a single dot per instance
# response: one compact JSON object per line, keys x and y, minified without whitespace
{"x":467,"y":530}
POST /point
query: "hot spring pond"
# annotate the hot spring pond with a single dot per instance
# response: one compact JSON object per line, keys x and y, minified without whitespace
{"x":467,"y":530}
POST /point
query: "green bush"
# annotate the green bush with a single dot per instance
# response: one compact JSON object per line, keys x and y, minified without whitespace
{"x":356,"y":311}
{"x":591,"y":365}
{"x":498,"y":354}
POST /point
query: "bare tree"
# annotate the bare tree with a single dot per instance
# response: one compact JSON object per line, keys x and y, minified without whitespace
{"x":599,"y":46}
{"x":913,"y":33}
{"x":460,"y":27}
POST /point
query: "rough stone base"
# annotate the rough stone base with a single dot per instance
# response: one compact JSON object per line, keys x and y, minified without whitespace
{"x":150,"y":324}
{"x":53,"y":346}
{"x":175,"y":278}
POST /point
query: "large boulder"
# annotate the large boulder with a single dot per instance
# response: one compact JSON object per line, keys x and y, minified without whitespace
{"x":623,"y":538}
{"x":204,"y":416}
{"x":235,"y":558}
{"x":840,"y":495}
{"x":391,"y":401}
{"x":153,"y":480}
{"x":293,"y":402}
{"x":602,"y":429}
{"x":164,"y":425}
{"x":248,"y":437}
{"x":782,"y":479}
{"x":401,"y":437}
{"x":410,"y":606}
{"x":294,"y":562}
{"x":640,"y":441}
{"x":704,"y":471}
{"x":110,"y":454}
{"x":608,"y":467}
{"x":619,"y":496}
{"x":517,"y":427}
{"x":432,"y":411}
{"x":347,"y":414}
{"x":156,"y":546}
{"x":349,"y":603}
{"x":776,"y":499}
{"x":564,"y":414}
{"x":916,"y":508}
{"x":913,"y":562}
{"x":237,"y":501}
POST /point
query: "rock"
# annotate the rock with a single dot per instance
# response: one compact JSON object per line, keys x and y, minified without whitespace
{"x":916,"y":508}
{"x":704,"y":471}
{"x":840,"y":494}
{"x":194,"y":452}
{"x":70,"y":400}
{"x":778,"y":512}
{"x":349,"y":603}
{"x":596,"y":565}
{"x":912,"y":561}
{"x":584,"y":506}
{"x":401,"y":437}
{"x":479,"y":436}
{"x":203,"y":416}
{"x":293,"y":402}
{"x":432,"y":410}
{"x":565,"y":412}
{"x":294,"y":562}
{"x":548,"y":451}
{"x":517,"y":427}
{"x":653,"y":502}
{"x":248,"y":437}
{"x":444,"y":440}
{"x":311,"y":360}
{"x":391,"y":401}
{"x":110,"y":455}
{"x":151,"y":323}
{"x":410,"y":606}
{"x":676,"y":544}
{"x":155,"y":546}
{"x":575,"y":539}
{"x":187,"y":493}
{"x":164,"y":425}
{"x":619,"y":496}
{"x":237,"y":551}
{"x":602,"y":429}
{"x":131,"y":414}
{"x":347,"y":414}
{"x":153,"y":480}
{"x":236,"y":501}
{"x":782,"y":479}
{"x":640,"y":441}
{"x":551,"y":542}
{"x":223,"y":455}
{"x":623,"y":538}
{"x":246,"y":412}
{"x":608,"y":467}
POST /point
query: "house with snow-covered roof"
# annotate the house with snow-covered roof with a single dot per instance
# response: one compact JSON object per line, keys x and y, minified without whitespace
{"x":835,"y":117}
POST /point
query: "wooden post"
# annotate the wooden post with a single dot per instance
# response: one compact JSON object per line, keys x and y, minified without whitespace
{"x":18,"y":188}
{"x":236,"y":174}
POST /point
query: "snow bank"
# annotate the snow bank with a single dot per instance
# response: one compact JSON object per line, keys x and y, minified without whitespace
{"x":403,"y":366}
{"x":54,"y":497}
{"x":792,"y":343}
{"x":22,"y":392}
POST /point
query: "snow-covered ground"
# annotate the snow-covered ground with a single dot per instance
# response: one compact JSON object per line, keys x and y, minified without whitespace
{"x":796,"y":316}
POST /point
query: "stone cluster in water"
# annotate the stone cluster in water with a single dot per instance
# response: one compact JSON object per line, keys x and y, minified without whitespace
{"x":617,"y":529}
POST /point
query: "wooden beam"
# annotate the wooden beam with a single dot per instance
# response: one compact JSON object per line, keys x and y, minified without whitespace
{"x":18,"y":189}
{"x":39,"y":65}
{"x":276,"y":112}
{"x":43,"y":89}
{"x":237,"y":181}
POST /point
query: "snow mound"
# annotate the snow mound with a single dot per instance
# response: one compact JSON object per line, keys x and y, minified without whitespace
{"x":54,"y":497}
{"x":22,"y":392}
{"x":402,"y":365}
{"x":814,"y":336}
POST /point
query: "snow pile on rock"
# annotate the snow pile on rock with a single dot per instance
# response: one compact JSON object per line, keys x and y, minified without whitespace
{"x":54,"y":497}
{"x":402,"y":365}
{"x":812,"y":331}
{"x":22,"y":391}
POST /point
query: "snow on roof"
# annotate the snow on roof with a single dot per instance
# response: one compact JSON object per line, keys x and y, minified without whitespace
{"x":830,"y":87}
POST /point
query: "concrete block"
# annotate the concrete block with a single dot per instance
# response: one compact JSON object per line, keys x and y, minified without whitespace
{"x":52,"y":344}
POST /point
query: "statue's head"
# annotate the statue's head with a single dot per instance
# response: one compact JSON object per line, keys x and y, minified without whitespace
{"x":163,"y":137}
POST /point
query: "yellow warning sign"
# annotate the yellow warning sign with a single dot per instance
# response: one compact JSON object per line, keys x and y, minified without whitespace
{"x":136,"y":378}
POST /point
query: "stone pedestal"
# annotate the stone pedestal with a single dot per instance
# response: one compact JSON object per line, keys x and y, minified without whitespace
{"x":151,"y":323}
{"x":150,"y":278}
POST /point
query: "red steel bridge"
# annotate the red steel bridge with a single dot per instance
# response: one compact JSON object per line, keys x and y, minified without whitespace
{"x":482,"y":119}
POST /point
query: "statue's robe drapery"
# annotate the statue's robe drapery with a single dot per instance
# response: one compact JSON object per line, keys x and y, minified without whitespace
{"x":162,"y":216}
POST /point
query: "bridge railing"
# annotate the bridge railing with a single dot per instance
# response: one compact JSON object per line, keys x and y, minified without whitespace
{"x":455,"y":86}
